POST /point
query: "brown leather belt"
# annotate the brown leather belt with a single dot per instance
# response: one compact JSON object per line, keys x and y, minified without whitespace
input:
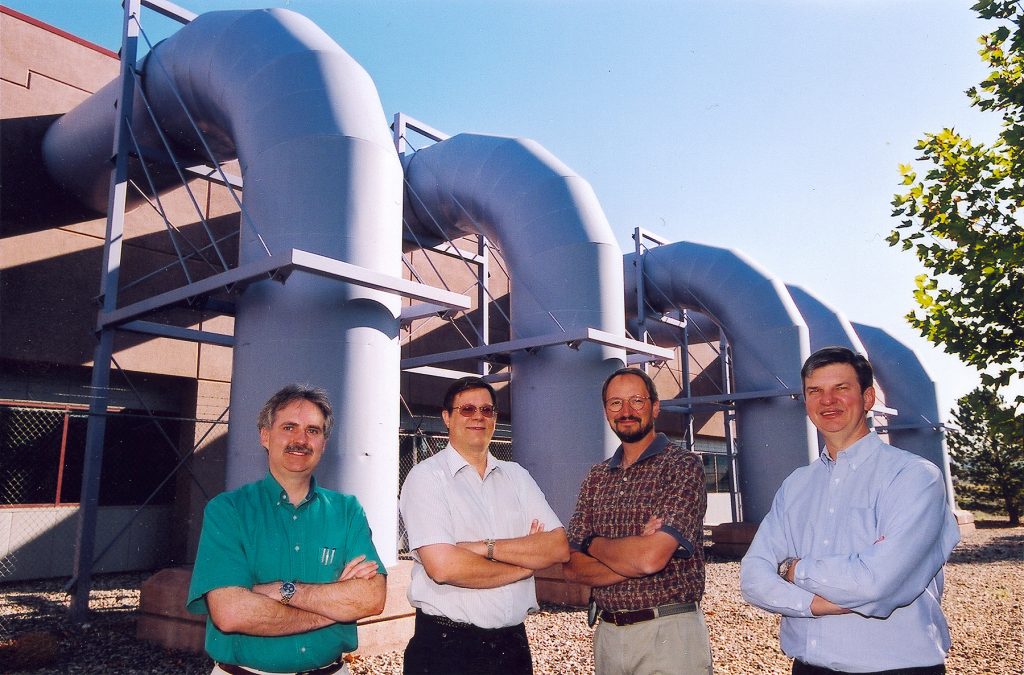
{"x":329,"y":669}
{"x":629,"y":617}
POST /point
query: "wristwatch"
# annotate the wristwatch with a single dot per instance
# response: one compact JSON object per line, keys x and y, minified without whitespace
{"x":784,"y":567}
{"x":585,"y":544}
{"x":490,"y":548}
{"x":287,"y":591}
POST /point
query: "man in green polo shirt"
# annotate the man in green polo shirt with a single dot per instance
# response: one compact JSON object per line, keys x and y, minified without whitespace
{"x":285,"y":567}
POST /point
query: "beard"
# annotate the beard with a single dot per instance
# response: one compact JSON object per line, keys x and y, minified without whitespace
{"x":633,"y":436}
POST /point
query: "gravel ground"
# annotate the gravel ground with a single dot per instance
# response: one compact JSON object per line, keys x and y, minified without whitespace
{"x":983,"y":601}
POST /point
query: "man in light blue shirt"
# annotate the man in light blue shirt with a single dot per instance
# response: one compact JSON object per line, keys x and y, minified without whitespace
{"x":852,"y":551}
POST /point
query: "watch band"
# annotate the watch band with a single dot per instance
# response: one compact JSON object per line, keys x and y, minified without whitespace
{"x":490,"y":549}
{"x":784,"y":567}
{"x":585,"y":544}
{"x":287,"y":591}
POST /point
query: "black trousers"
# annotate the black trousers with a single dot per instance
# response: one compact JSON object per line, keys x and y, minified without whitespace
{"x":443,"y":647}
{"x":801,"y":668}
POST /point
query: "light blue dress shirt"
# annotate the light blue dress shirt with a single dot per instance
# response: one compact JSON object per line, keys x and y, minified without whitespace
{"x":872,"y":531}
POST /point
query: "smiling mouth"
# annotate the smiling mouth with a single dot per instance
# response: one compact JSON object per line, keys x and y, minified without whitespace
{"x":296,"y":449}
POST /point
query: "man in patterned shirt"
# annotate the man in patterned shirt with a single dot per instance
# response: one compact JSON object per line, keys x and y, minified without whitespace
{"x":636,"y":539}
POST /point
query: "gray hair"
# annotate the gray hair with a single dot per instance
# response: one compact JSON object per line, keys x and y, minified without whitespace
{"x":296,"y":392}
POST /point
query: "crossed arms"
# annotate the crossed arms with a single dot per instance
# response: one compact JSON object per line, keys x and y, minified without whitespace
{"x":609,"y":560}
{"x":465,"y":564}
{"x":358,"y":592}
{"x":911,"y":542}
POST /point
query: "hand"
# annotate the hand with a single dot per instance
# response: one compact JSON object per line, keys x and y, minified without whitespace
{"x":359,"y":568}
{"x":536,"y":526}
{"x":652,"y":525}
{"x":791,"y":572}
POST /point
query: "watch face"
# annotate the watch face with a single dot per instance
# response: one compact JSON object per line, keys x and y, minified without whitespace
{"x":287,"y":591}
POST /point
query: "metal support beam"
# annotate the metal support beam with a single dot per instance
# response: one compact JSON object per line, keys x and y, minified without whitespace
{"x":170,"y":10}
{"x":179,"y":333}
{"x":540,"y":342}
{"x":78,"y":608}
{"x":280,"y":266}
{"x":735,"y":396}
{"x":449,"y":374}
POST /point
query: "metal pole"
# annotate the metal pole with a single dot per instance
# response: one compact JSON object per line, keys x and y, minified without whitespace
{"x":730,"y":441}
{"x":687,"y":389}
{"x":483,"y":300}
{"x":93,"y":461}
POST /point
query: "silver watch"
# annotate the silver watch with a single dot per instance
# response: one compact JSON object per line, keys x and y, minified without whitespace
{"x":785,"y":565}
{"x":287,"y":591}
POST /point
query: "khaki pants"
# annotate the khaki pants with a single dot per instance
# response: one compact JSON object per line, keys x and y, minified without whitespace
{"x":669,"y":645}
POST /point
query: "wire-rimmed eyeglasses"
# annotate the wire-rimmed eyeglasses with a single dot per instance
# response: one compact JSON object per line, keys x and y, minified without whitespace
{"x":468,"y":410}
{"x":637,"y":403}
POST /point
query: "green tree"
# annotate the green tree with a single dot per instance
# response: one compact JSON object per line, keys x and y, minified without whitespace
{"x":986,"y":451}
{"x":960,"y":217}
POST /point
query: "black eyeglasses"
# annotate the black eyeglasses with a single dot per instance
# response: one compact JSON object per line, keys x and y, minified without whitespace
{"x":469,"y":410}
{"x":637,"y":403}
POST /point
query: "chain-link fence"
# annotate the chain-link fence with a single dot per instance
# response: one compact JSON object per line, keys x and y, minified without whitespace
{"x":42,"y":454}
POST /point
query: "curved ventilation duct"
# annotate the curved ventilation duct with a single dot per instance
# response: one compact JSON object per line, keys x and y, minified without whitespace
{"x":321,"y":175}
{"x":769,"y":344}
{"x":830,"y":328}
{"x":918,"y":426}
{"x":567,"y":272}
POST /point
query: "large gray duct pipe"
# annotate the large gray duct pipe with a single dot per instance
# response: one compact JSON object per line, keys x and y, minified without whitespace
{"x":827,"y":327}
{"x":769,"y":344}
{"x":321,"y":175}
{"x":918,"y":426}
{"x":830,"y":328}
{"x":567,"y":275}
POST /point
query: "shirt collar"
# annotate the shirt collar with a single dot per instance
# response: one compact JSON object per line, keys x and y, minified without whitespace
{"x":856,"y":454}
{"x":656,"y":447}
{"x":278,"y":495}
{"x":454,"y":462}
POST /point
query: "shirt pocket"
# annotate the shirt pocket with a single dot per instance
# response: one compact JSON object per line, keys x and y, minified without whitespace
{"x":860,"y":527}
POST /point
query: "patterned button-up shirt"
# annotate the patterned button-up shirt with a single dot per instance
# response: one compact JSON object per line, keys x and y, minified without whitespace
{"x":666,"y":481}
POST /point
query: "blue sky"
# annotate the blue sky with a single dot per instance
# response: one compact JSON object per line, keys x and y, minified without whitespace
{"x":774,"y":127}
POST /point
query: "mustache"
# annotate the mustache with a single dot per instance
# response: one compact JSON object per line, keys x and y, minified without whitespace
{"x":299,"y":447}
{"x":628,"y":418}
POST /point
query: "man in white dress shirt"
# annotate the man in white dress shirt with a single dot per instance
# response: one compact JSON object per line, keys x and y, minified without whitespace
{"x":479,"y":528}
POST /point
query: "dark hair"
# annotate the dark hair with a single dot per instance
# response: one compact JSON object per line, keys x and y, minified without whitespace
{"x":652,"y":392}
{"x":290,"y":394}
{"x":830,"y":355}
{"x":465,"y":384}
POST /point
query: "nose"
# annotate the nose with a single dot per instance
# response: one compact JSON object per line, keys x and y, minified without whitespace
{"x":300,"y":436}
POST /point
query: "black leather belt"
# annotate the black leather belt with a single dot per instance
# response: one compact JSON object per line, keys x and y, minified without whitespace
{"x":329,"y":669}
{"x":629,"y":617}
{"x":458,"y":625}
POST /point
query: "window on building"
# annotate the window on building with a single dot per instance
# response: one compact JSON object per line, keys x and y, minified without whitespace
{"x":716,"y":463}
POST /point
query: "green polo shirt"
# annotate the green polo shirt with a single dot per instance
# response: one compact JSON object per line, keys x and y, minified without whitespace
{"x":253,"y":535}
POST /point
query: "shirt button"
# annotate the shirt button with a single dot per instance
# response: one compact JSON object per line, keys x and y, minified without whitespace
{"x":824,"y":542}
{"x":836,"y":481}
{"x":622,"y":492}
{"x":295,"y":517}
{"x":832,"y":510}
{"x":302,"y":649}
{"x":814,"y":643}
{"x":296,"y":548}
